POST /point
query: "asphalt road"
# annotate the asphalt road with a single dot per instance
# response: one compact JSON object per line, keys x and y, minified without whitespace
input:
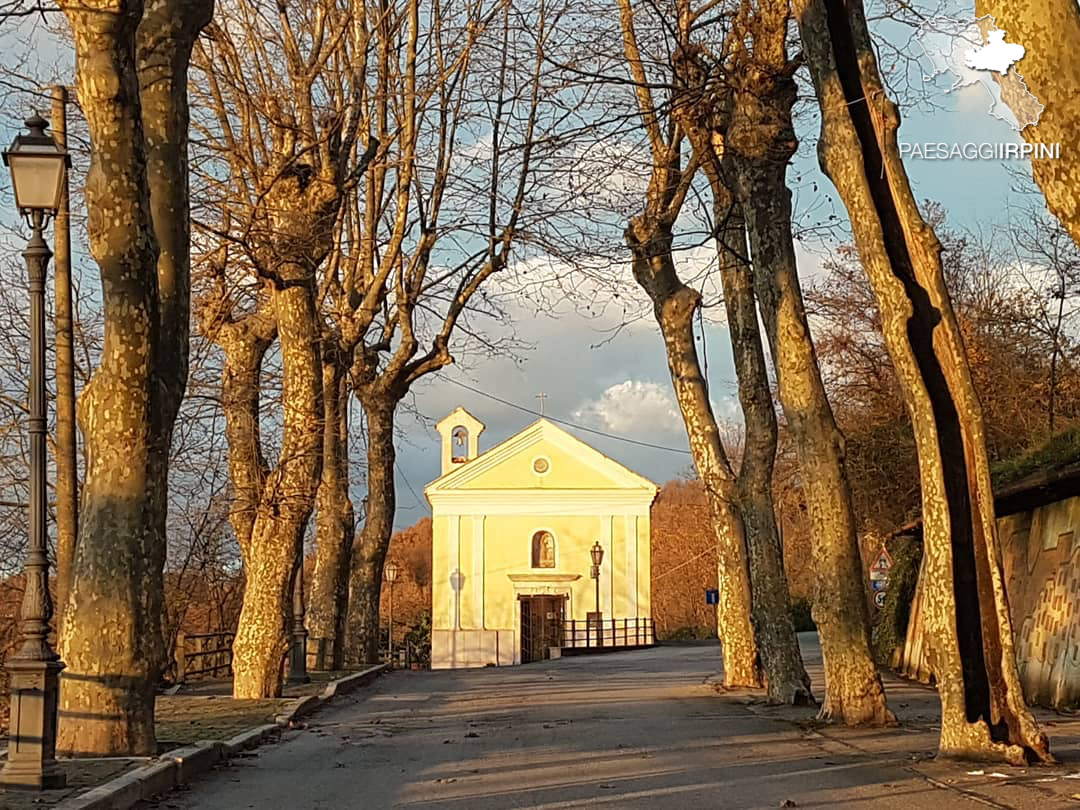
{"x":628,"y":730}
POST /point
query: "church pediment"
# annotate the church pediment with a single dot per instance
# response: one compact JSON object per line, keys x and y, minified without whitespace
{"x":543,"y":456}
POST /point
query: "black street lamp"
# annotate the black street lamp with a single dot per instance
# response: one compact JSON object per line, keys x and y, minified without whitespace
{"x":37,"y":167}
{"x":298,"y":650}
{"x":390,"y":573}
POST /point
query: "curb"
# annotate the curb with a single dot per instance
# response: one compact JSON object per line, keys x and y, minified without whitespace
{"x":342,"y":686}
{"x":182,"y":765}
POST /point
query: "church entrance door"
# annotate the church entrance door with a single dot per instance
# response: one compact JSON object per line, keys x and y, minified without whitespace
{"x":541,"y":626}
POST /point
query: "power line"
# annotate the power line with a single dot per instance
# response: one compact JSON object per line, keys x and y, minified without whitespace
{"x":565,"y":421}
{"x":405,"y":478}
{"x":683,"y":564}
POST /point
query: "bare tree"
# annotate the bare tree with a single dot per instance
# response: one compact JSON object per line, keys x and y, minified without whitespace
{"x":282,"y":119}
{"x":760,"y":141}
{"x":455,"y":102}
{"x":650,"y":237}
{"x":983,"y":709}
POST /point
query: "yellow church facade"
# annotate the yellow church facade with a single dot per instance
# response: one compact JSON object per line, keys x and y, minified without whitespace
{"x":514,"y":533}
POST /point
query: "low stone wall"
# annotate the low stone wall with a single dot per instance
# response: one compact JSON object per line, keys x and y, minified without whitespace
{"x":1041,"y":557}
{"x":452,"y":649}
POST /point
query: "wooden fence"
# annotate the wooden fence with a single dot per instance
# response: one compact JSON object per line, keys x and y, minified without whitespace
{"x":202,"y":654}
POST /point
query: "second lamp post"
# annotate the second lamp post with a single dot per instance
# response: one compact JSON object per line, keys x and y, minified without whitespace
{"x":597,"y":553}
{"x":390,"y":573}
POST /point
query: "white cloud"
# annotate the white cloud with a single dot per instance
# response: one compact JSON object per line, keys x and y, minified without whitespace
{"x":632,"y":408}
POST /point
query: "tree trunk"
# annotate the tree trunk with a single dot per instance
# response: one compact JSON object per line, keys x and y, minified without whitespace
{"x":111,"y":637}
{"x":781,"y":659}
{"x":67,"y":464}
{"x":244,"y":343}
{"x":275,"y":546}
{"x":761,"y":141}
{"x":786,"y":680}
{"x":329,"y":597}
{"x":853,"y":690}
{"x":965,"y":609}
{"x":373,"y":540}
{"x":1049,"y":30}
{"x":674,"y":305}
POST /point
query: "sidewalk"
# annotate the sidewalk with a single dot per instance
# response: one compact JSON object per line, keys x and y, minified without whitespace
{"x":196,"y":727}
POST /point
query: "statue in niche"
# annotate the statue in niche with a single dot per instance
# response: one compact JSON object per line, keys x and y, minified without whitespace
{"x":543,"y":550}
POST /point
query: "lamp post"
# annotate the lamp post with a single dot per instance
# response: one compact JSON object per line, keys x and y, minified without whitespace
{"x":597,"y":553}
{"x":37,"y":173}
{"x":298,"y":655}
{"x":390,"y":573}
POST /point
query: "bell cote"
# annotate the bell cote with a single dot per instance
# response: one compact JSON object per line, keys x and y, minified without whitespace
{"x":460,"y":432}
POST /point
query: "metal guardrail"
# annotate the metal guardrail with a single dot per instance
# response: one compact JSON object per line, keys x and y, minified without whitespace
{"x":586,"y":633}
{"x":202,"y":654}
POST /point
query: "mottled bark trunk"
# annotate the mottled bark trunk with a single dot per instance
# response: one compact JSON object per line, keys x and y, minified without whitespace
{"x":853,"y":690}
{"x":329,"y":597}
{"x":761,"y":142}
{"x":778,"y":647}
{"x":373,"y":540}
{"x":275,"y":546}
{"x":67,"y":464}
{"x":965,"y":609}
{"x":164,"y":42}
{"x":674,"y":305}
{"x":244,"y":343}
{"x":112,"y":634}
{"x":699,"y":115}
{"x":1049,"y":30}
{"x":111,"y":638}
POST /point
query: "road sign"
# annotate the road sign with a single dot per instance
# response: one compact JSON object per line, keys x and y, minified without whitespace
{"x":879,"y":568}
{"x":879,"y":584}
{"x":712,"y":596}
{"x":879,"y":599}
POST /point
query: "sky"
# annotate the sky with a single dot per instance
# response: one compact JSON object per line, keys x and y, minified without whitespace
{"x":601,"y":375}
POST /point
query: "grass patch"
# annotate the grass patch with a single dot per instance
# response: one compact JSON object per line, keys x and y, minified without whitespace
{"x":1061,"y":450}
{"x":190,"y":718}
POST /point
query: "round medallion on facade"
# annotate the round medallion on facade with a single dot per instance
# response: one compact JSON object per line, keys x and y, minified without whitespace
{"x":541,"y":465}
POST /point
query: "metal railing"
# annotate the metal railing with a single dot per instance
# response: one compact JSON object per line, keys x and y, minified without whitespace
{"x":406,"y":654}
{"x":585,"y":633}
{"x":203,"y":654}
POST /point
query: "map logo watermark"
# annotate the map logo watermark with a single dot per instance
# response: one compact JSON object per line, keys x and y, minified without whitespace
{"x":975,"y":53}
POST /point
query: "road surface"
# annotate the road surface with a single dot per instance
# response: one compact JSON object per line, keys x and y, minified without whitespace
{"x":642,"y":729}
